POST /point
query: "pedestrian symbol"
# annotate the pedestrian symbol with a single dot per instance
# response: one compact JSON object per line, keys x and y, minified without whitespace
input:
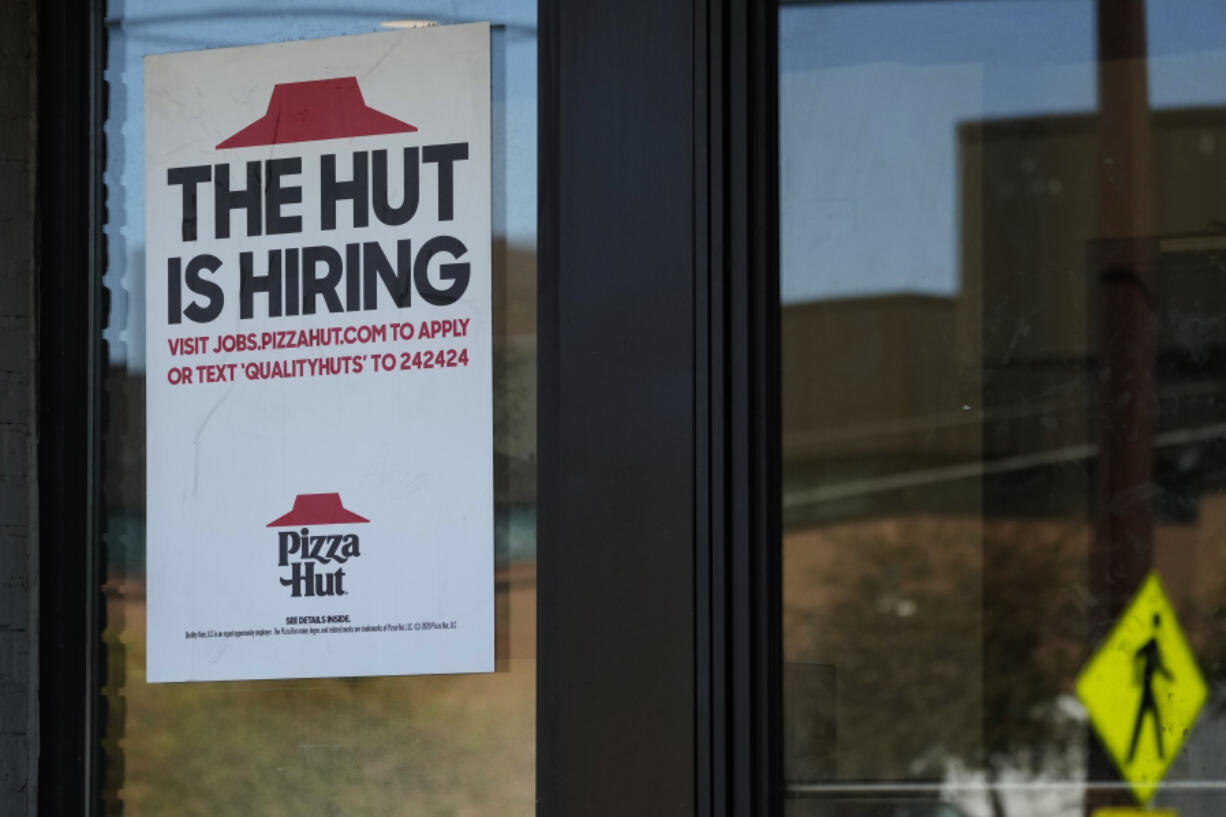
{"x":1143,"y":689}
{"x":1150,"y":655}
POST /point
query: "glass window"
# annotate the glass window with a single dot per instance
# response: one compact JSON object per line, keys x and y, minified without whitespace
{"x":1003,"y":231}
{"x":459,"y":745}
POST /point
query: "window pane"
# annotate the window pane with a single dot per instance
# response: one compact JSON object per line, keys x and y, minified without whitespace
{"x":462,"y":744}
{"x":1004,"y":341}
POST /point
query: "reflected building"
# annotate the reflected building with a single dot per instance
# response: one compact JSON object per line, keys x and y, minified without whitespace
{"x":940,"y":474}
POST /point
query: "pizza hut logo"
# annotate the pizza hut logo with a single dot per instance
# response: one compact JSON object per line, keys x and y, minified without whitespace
{"x":315,"y":110}
{"x":315,"y":559}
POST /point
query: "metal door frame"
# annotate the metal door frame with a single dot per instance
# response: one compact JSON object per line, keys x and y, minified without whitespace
{"x":658,"y":618}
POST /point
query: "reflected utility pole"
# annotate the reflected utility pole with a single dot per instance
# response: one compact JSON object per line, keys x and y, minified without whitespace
{"x":1122,"y":264}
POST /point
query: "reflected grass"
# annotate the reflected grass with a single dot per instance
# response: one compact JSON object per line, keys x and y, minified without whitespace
{"x":448,"y":745}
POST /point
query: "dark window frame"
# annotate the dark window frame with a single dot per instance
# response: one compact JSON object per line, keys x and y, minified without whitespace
{"x":659,"y":694}
{"x":70,"y":313}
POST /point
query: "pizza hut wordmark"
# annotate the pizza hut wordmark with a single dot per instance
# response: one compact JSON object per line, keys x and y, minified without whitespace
{"x":312,"y":555}
{"x":351,"y":190}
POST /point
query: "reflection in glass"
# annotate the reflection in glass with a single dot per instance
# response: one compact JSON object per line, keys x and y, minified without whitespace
{"x":1003,"y":231}
{"x":457,"y":745}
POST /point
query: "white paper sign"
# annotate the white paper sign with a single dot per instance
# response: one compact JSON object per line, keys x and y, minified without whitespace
{"x":320,"y":454}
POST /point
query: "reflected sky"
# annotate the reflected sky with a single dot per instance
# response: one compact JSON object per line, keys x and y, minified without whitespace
{"x":871,"y":96}
{"x":137,"y":28}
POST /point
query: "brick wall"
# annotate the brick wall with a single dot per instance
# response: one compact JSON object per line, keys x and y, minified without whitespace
{"x":18,"y":760}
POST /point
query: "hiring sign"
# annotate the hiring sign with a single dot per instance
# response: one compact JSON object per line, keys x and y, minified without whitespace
{"x":318,"y":330}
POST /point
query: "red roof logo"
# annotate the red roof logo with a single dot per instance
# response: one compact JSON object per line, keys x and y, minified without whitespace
{"x":314,"y":110}
{"x":317,"y":509}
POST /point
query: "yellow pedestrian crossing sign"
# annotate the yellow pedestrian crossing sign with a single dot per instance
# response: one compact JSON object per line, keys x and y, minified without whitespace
{"x":1143,"y":689}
